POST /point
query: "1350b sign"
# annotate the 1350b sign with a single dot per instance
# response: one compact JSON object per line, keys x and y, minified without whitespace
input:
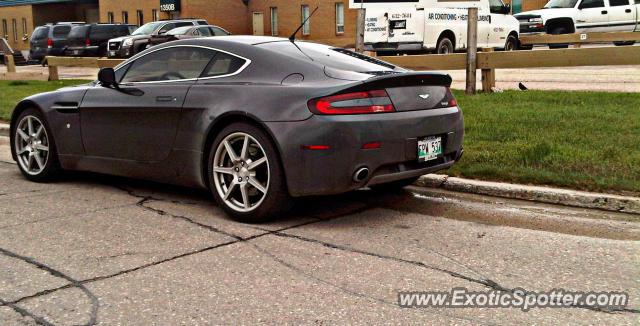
{"x":169,"y":5}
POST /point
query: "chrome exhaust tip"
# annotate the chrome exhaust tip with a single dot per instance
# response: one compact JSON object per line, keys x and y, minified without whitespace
{"x":361,"y":174}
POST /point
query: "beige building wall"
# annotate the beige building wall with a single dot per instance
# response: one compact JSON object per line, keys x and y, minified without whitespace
{"x":22,"y":15}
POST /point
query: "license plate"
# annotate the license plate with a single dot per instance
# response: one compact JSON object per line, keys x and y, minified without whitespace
{"x":76,"y":52}
{"x":112,"y":53}
{"x":429,"y":148}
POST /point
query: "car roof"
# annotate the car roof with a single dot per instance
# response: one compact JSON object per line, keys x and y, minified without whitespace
{"x":250,"y":39}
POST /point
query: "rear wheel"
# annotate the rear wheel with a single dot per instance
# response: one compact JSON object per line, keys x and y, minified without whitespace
{"x":445,"y":46}
{"x":557,"y":31}
{"x":395,"y":185}
{"x":34,"y":147}
{"x":245,"y":175}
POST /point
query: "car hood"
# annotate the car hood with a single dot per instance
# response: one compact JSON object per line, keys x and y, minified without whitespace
{"x":547,"y":13}
{"x":134,"y":37}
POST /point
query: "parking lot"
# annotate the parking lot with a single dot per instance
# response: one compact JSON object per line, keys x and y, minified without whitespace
{"x":119,"y":251}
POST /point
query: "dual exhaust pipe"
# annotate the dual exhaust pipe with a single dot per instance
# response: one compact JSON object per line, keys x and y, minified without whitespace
{"x":361,"y":174}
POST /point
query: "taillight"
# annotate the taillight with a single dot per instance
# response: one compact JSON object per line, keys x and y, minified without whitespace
{"x":449,"y":100}
{"x":87,"y":42}
{"x":49,"y":42}
{"x":376,"y":101}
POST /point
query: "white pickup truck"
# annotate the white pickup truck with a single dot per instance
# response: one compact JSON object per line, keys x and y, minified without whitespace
{"x":437,"y":25}
{"x":580,"y":16}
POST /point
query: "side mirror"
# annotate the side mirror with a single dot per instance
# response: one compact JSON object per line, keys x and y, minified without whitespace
{"x":107,"y":77}
{"x":507,"y":9}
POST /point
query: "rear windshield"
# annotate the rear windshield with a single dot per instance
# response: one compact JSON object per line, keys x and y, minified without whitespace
{"x":61,"y":31}
{"x":337,"y":58}
{"x":40,"y":33}
{"x":78,"y":32}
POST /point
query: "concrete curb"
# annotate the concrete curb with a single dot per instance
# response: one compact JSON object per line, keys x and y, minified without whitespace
{"x":4,"y":129}
{"x":549,"y":195}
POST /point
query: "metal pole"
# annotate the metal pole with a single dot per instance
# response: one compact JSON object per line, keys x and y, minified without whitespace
{"x":472,"y":50}
{"x":360,"y":30}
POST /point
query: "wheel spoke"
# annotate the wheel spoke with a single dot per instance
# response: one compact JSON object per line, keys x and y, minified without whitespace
{"x":22,"y":151}
{"x":39,"y":131}
{"x":30,"y":125}
{"x":245,"y":144}
{"x":30,"y":162}
{"x":257,"y":185}
{"x":41,"y":147}
{"x":223,"y":170}
{"x":23,"y":135}
{"x":39,"y":161}
{"x":230,"y":189}
{"x":245,"y":195}
{"x":230,"y":151}
{"x":255,"y":164}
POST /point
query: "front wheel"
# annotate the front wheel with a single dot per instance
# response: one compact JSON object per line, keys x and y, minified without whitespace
{"x":445,"y":46}
{"x":34,"y":147}
{"x":245,"y":174}
{"x":511,"y":44}
{"x":629,"y":43}
{"x":558,"y":31}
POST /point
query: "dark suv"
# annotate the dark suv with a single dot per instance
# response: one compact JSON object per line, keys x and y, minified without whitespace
{"x":127,"y":46}
{"x":91,"y":40}
{"x":50,"y":39}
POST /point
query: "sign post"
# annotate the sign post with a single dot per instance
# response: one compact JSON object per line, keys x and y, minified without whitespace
{"x":472,"y":50}
{"x":360,"y":30}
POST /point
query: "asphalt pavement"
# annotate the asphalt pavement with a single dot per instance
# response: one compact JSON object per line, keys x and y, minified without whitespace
{"x":113,"y":251}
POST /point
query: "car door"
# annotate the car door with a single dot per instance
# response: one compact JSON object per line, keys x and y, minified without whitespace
{"x":138,"y":120}
{"x":592,"y":16}
{"x":622,"y":16}
{"x":498,"y":26}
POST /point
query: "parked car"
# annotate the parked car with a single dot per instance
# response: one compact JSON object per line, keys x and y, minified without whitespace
{"x":255,"y":120}
{"x":187,"y":32}
{"x":91,"y":40}
{"x":127,"y":46}
{"x":580,"y":16}
{"x":50,"y":39}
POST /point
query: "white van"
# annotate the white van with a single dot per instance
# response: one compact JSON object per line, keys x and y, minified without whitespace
{"x":435,"y":25}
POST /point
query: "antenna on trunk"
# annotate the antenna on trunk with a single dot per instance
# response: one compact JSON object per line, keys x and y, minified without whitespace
{"x":292,"y":38}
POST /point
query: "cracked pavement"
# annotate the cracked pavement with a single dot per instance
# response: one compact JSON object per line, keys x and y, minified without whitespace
{"x":93,"y":249}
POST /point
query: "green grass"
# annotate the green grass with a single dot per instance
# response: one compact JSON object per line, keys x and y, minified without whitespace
{"x":582,"y":140}
{"x":13,"y":91}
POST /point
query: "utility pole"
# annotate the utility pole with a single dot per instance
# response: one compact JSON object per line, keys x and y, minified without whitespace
{"x":472,"y":50}
{"x":360,"y":30}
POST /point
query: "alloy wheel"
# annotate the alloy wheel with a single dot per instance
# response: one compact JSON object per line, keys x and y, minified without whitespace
{"x":241,"y":172}
{"x":32,"y":145}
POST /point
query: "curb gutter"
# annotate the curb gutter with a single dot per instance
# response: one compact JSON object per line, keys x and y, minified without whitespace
{"x":615,"y":203}
{"x":4,"y":129}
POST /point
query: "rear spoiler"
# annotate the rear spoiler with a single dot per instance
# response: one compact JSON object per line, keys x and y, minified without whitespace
{"x":403,"y":79}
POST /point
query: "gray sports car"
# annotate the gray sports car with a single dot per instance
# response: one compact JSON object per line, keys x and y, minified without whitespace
{"x":257,"y":120}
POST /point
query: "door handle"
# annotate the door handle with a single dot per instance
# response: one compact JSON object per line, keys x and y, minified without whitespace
{"x":627,"y":10}
{"x":166,"y":98}
{"x":604,"y":12}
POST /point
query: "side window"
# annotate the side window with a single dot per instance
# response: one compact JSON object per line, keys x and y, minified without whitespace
{"x":204,"y":31}
{"x":61,"y":31}
{"x":496,"y":6}
{"x":615,"y":3}
{"x":223,"y":64}
{"x":167,"y":28}
{"x":592,"y":4}
{"x":169,"y":64}
{"x":218,"y":31}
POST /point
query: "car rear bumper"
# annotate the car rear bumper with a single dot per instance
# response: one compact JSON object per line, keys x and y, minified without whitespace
{"x":80,"y":51}
{"x":412,"y":46}
{"x":331,"y":171}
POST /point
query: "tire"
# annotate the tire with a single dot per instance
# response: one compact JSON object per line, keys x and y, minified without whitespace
{"x":30,"y":136}
{"x":445,"y":46}
{"x":557,"y":31}
{"x":395,"y":185}
{"x":511,"y":44}
{"x":263,"y":205}
{"x":624,"y":43}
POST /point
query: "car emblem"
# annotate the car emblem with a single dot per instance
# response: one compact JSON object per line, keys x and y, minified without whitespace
{"x":424,"y":96}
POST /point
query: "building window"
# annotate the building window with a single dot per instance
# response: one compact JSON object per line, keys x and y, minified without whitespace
{"x":5,"y":32}
{"x":14,"y":24}
{"x":306,"y":28}
{"x":24,"y":29}
{"x":125,"y":17}
{"x":339,"y":18}
{"x":140,"y":18}
{"x":110,"y":19}
{"x":274,"y":21}
{"x":154,"y":14}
